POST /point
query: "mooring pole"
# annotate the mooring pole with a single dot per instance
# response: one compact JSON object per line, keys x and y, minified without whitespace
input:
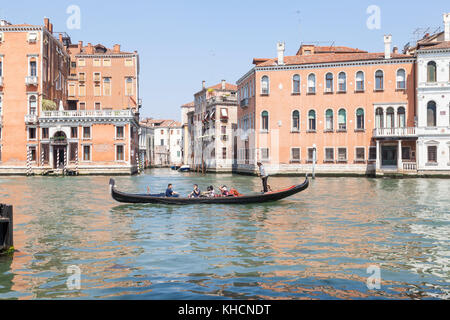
{"x":6,"y":227}
{"x":314,"y":162}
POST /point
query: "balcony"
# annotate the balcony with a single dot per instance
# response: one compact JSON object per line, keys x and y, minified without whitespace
{"x":31,"y":119}
{"x":245,"y":103}
{"x":31,"y":81}
{"x":395,"y":133}
{"x":225,"y":100}
{"x":87,"y":115}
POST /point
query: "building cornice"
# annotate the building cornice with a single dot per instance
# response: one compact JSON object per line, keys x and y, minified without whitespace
{"x":248,"y":74}
{"x":115,"y":55}
{"x":21,"y":28}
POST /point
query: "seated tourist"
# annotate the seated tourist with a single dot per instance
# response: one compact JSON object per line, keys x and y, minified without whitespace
{"x":224,"y":191}
{"x":170,"y":193}
{"x":196,"y":193}
{"x":211,"y":192}
{"x":235,"y":193}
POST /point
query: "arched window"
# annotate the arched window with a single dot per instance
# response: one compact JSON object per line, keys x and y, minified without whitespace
{"x":32,"y":105}
{"x":379,"y":118}
{"x":296,"y":84}
{"x":312,"y":83}
{"x":342,"y":82}
{"x":342,"y":120}
{"x":296,"y":121}
{"x":401,"y":113}
{"x":360,"y":81}
{"x":401,"y":79}
{"x":431,"y":72}
{"x":390,"y":118}
{"x":265,"y":85}
{"x":329,"y":120}
{"x":431,"y":114}
{"x":312,"y":120}
{"x":265,"y":121}
{"x":329,"y":82}
{"x":360,"y":121}
{"x":379,"y":80}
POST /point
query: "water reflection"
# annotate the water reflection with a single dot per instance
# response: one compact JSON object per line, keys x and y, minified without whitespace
{"x":316,"y":245}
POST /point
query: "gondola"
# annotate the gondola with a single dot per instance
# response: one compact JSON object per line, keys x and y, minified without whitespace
{"x":245,"y":199}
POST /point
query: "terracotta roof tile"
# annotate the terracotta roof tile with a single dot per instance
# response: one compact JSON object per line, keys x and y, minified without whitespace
{"x":439,"y":45}
{"x":228,"y":86}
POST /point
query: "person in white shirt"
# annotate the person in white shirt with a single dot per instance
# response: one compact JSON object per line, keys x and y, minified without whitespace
{"x":264,"y":177}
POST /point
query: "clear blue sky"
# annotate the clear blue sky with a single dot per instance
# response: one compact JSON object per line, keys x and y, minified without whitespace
{"x":182,"y":43}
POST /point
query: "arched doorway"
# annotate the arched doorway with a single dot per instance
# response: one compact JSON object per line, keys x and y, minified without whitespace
{"x":59,"y":146}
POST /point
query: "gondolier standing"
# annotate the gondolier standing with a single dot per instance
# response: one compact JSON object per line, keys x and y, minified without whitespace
{"x":264,"y":177}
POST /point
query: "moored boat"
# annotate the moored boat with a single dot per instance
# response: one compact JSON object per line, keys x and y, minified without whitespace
{"x":244,"y":199}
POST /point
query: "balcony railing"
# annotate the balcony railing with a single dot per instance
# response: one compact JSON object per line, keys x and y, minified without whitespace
{"x":31,"y":81}
{"x":409,"y":166}
{"x":31,"y":118}
{"x":394,"y":132}
{"x":244,"y":103}
{"x":87,"y":114}
{"x":222,"y":99}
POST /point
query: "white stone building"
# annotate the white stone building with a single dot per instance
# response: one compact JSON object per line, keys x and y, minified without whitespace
{"x":146,"y":146}
{"x":433,"y":102}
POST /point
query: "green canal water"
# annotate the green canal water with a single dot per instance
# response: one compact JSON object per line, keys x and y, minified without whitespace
{"x":316,"y":245}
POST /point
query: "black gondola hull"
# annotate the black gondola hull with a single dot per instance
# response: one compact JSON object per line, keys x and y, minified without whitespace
{"x":249,"y":199}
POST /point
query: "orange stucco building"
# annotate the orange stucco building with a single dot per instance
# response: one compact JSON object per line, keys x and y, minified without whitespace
{"x":345,"y":109}
{"x":64,"y":107}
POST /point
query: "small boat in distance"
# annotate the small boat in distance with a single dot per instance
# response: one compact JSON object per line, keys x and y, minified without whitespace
{"x":185,"y":169}
{"x":175,"y":168}
{"x":244,"y":199}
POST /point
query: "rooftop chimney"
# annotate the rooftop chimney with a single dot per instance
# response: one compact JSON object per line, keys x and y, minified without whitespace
{"x":395,"y":50}
{"x":61,"y":38}
{"x":224,"y":84}
{"x":281,"y":48}
{"x":203,"y":84}
{"x":90,"y":49}
{"x":47,"y":23}
{"x":116,"y":48}
{"x":80,"y":45}
{"x":387,"y":46}
{"x":51,"y":28}
{"x":447,"y":26}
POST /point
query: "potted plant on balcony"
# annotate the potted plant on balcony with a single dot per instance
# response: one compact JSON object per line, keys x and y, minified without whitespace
{"x":49,"y":105}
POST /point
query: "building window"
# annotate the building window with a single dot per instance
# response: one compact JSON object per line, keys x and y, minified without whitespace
{"x":129,"y":86}
{"x":390,"y":118}
{"x":379,"y":118}
{"x":81,"y":90}
{"x":82,"y":76}
{"x":265,"y":121}
{"x":329,"y":82}
{"x":129,"y":62}
{"x":431,"y":114}
{"x":312,"y":83}
{"x":1,"y":105}
{"x":107,"y":62}
{"x":379,"y":80}
{"x":406,"y":153}
{"x":432,"y":154}
{"x":97,"y":62}
{"x":360,"y":121}
{"x":401,"y":114}
{"x":372,"y":153}
{"x":73,"y":152}
{"x":32,"y":152}
{"x":32,"y":134}
{"x":296,"y":84}
{"x":329,"y":120}
{"x":296,"y":121}
{"x":360,"y":154}
{"x":401,"y":79}
{"x":33,"y":67}
{"x":265,"y":84}
{"x":86,"y":133}
{"x":74,"y":133}
{"x":295,"y":155}
{"x":81,"y":62}
{"x":342,"y":81}
{"x":342,"y":154}
{"x":360,"y":81}
{"x":342,"y":120}
{"x":72,"y":90}
{"x":1,"y":67}
{"x":97,"y":90}
{"x":120,"y":155}
{"x":329,"y":154}
{"x":107,"y":86}
{"x":431,"y":72}
{"x":33,"y":105}
{"x":312,"y":120}
{"x":82,"y":105}
{"x":265,"y":154}
{"x":45,"y":149}
{"x":224,"y":153}
{"x":312,"y":155}
{"x":120,"y":132}
{"x":86,"y":153}
{"x":45,"y":134}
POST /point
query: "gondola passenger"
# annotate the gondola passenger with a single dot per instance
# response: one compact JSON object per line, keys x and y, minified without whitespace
{"x":224,"y":191}
{"x":170,"y":193}
{"x":196,"y":193}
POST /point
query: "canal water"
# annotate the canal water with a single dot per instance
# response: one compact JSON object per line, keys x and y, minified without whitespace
{"x":319,"y":244}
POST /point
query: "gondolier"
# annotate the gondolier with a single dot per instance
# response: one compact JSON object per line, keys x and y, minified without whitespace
{"x":264,"y":177}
